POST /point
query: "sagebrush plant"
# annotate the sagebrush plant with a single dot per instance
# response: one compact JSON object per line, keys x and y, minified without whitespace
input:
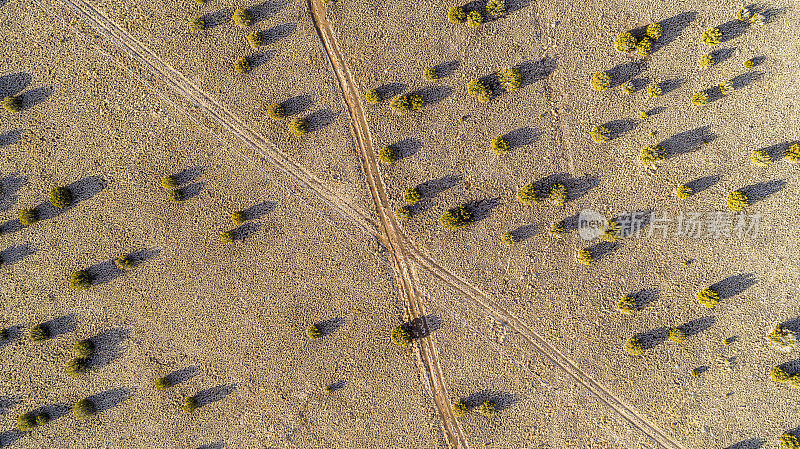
{"x":124,"y":262}
{"x":163,"y":383}
{"x":28,"y":217}
{"x":497,"y":8}
{"x":695,"y":372}
{"x":726,"y":87}
{"x":26,"y":422}
{"x":585,"y":257}
{"x":77,"y":366}
{"x":600,"y":134}
{"x":528,"y":194}
{"x":677,"y":335}
{"x":373,"y":96}
{"x":456,"y":15}
{"x":625,"y":42}
{"x":628,"y":87}
{"x":644,"y":47}
{"x":651,"y":156}
{"x":760,"y":158}
{"x":242,"y":17}
{"x":84,"y":348}
{"x":175,"y":196}
{"x":474,"y":18}
{"x":782,"y":339}
{"x":459,"y":408}
{"x":227,"y":237}
{"x":84,"y":409}
{"x":706,"y":61}
{"x":778,"y":374}
{"x":412,"y":196}
{"x":634,"y":346}
{"x":556,"y":229}
{"x":508,"y":238}
{"x":388,"y":154}
{"x":789,"y":441}
{"x":190,"y":404}
{"x":700,"y":98}
{"x":169,"y":182}
{"x":238,"y":218}
{"x":401,"y":104}
{"x":708,"y":297}
{"x":500,"y":146}
{"x":654,"y":31}
{"x":683,"y":191}
{"x":299,"y":126}
{"x":510,"y":79}
{"x":601,"y":81}
{"x":402,"y":336}
{"x":627,"y":305}
{"x":488,"y":408}
{"x":40,"y":332}
{"x":242,"y":65}
{"x":612,"y":232}
{"x":255,"y":39}
{"x":457,"y":217}
{"x":313,"y":332}
{"x":712,"y":36}
{"x":559,"y":194}
{"x":60,"y":197}
{"x":654,"y":90}
{"x":12,"y":103}
{"x":80,"y":280}
{"x":429,"y":73}
{"x":197,"y":24}
{"x":793,"y":153}
{"x":479,"y":90}
{"x":737,"y":201}
{"x":403,"y":213}
{"x":749,"y":63}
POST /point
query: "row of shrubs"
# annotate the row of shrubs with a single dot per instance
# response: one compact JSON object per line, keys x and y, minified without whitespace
{"x":458,"y":14}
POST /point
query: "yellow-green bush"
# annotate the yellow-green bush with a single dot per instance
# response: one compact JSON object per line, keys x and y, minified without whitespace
{"x":601,"y":81}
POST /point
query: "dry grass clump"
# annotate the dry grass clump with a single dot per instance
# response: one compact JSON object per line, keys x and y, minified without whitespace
{"x":175,"y":196}
{"x":84,"y":348}
{"x":600,"y":134}
{"x":708,"y":297}
{"x":401,"y":104}
{"x":28,"y":217}
{"x":26,"y":422}
{"x":488,"y":409}
{"x":299,"y":126}
{"x":196,"y":24}
{"x":313,"y":332}
{"x":528,"y":194}
{"x":510,"y":79}
{"x":634,"y":346}
{"x":782,"y":339}
{"x":373,"y":96}
{"x":77,"y":366}
{"x":737,"y":201}
{"x":654,"y":90}
{"x":124,"y":262}
{"x":779,"y":375}
{"x":789,"y":441}
{"x":12,"y":103}
{"x":559,"y":194}
{"x":585,"y":257}
{"x":412,"y":196}
{"x":760,"y":158}
{"x":238,"y":218}
{"x":479,"y":90}
{"x":497,"y":8}
{"x":677,"y":335}
{"x":242,"y":17}
{"x":651,"y":156}
{"x":706,"y":61}
{"x":80,"y":280}
{"x":60,"y":197}
{"x":474,"y":18}
{"x":749,"y":63}
{"x":726,"y":87}
{"x":644,"y":115}
{"x":402,"y":336}
{"x":700,"y":98}
{"x":683,"y":191}
{"x":388,"y":154}
{"x":403,"y":213}
{"x":255,"y":39}
{"x":458,"y":217}
{"x":459,"y":409}
{"x":744,"y":14}
{"x":227,"y":237}
{"x":601,"y":81}
{"x":625,"y":42}
{"x":242,"y":65}
{"x":429,"y":73}
{"x":500,"y":146}
{"x":40,"y":332}
{"x":712,"y":36}
{"x":627,"y":305}
{"x":793,"y":153}
{"x":84,"y":409}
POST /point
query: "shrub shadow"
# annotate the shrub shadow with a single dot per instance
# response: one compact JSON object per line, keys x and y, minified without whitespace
{"x":10,"y":437}
{"x":258,"y":59}
{"x":746,"y":79}
{"x":14,"y":254}
{"x":143,"y":255}
{"x":245,"y":231}
{"x":434,"y":94}
{"x":694,"y":327}
{"x":671,"y":84}
{"x":673,"y":27}
{"x":523,"y":136}
{"x":524,"y":232}
{"x":723,"y":54}
{"x":215,"y":445}
{"x":734,"y":285}
{"x":645,"y":296}
{"x":265,"y":10}
{"x":10,"y":137}
{"x":533,"y":71}
{"x":760,"y":191}
{"x":446,"y":69}
{"x":620,"y":127}
{"x":330,"y":326}
{"x":182,"y":375}
{"x":214,"y":394}
{"x":6,"y":403}
{"x":110,"y":398}
{"x":188,"y":175}
{"x":653,"y":338}
{"x":390,"y":90}
{"x":297,"y":104}
{"x":600,"y":250}
{"x":108,"y":347}
{"x":482,"y":208}
{"x":278,"y":32}
{"x":752,"y":443}
{"x":54,"y":411}
{"x":757,"y":60}
{"x":626,"y":71}
{"x":9,"y":189}
{"x":407,"y":147}
{"x":687,"y":141}
{"x":104,"y":272}
{"x":656,"y":110}
{"x":640,"y":83}
{"x":320,"y":119}
{"x":35,"y":96}
{"x":257,"y":211}
{"x":338,"y":385}
{"x":732,"y":29}
{"x":14,"y":83}
{"x":423,"y":326}
{"x":777,"y":151}
{"x":700,"y":184}
{"x":501,"y":400}
{"x":61,"y":325}
{"x":14,"y":334}
{"x":190,"y":191}
{"x":216,"y":18}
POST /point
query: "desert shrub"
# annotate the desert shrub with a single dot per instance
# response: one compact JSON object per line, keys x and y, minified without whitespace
{"x":628,"y":87}
{"x":84,"y":409}
{"x":600,"y":134}
{"x":276,"y":111}
{"x":5,"y":335}
{"x":388,"y":154}
{"x":373,"y":96}
{"x":227,"y":237}
{"x":634,"y":346}
{"x":744,"y":14}
{"x":238,"y":218}
{"x":242,"y":65}
{"x":412,"y":196}
{"x":556,"y":229}
{"x":28,"y":217}
{"x":528,"y":194}
{"x":416,"y":101}
{"x":778,"y":374}
{"x":737,"y":201}
{"x":559,"y":194}
{"x":255,"y":39}
{"x":757,"y":19}
{"x":627,"y":305}
{"x":169,"y":182}
{"x":760,"y":158}
{"x":749,"y":63}
{"x":80,"y":280}
{"x":625,"y":42}
{"x":712,"y":36}
{"x":162,"y":383}
{"x":683,"y":191}
{"x":677,"y":335}
{"x":456,"y":15}
{"x":488,"y":409}
{"x":585,"y":257}
{"x":175,"y":196}
{"x":497,"y":8}
{"x":651,"y":156}
{"x":459,"y":408}
{"x":644,"y":115}
{"x":12,"y":103}
{"x":457,"y":217}
{"x":42,"y":418}
{"x":612,"y":232}
{"x":728,"y":341}
{"x":695,"y":372}
{"x":403,"y":213}
{"x":401,"y":104}
{"x":60,"y":197}
{"x":700,"y":98}
{"x":479,"y":90}
{"x":242,"y":17}
{"x":299,"y":126}
{"x":401,"y":335}
{"x":654,"y":31}
{"x":197,"y":24}
{"x":26,"y":422}
{"x":510,"y":79}
{"x":793,"y":153}
{"x":782,"y":339}
{"x":190,"y":404}
{"x":84,"y":348}
{"x":508,"y":238}
{"x":313,"y":332}
{"x":644,"y":47}
{"x":500,"y":146}
{"x":474,"y":18}
{"x":706,"y":61}
{"x":40,"y":332}
{"x":654,"y":90}
{"x":789,"y":441}
{"x":726,"y":87}
{"x":124,"y":262}
{"x":430,"y":73}
{"x":601,"y":81}
{"x":708,"y":297}
{"x":77,"y":366}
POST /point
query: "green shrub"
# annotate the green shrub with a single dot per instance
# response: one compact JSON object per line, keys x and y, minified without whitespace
{"x":416,"y":101}
{"x":242,"y":17}
{"x":26,"y":422}
{"x":60,"y":197}
{"x":500,"y":146}
{"x":585,"y":257}
{"x":677,"y":335}
{"x":242,"y":65}
{"x":757,"y":19}
{"x":644,"y":115}
{"x":726,"y":87}
{"x":793,"y":153}
{"x":299,"y":126}
{"x":782,"y":339}
{"x":255,"y":39}
{"x":175,"y":196}
{"x":654,"y":31}
{"x":497,"y":8}
{"x":706,"y":61}
{"x":488,"y":409}
{"x":430,"y":73}
{"x":625,"y":42}
{"x":163,"y":383}
{"x":169,"y":182}
{"x":749,"y":63}
{"x":654,"y":90}
{"x":508,"y":238}
{"x":474,"y":18}
{"x":712,"y":36}
{"x":601,"y":81}
{"x":84,"y":409}
{"x":760,"y":158}
{"x":80,"y":280}
{"x":40,"y":332}
{"x":628,"y":87}
{"x":124,"y":262}
{"x":84,"y":348}
{"x":708,"y":297}
{"x":559,"y":194}
{"x":612,"y":232}
{"x":683,"y":191}
{"x":737,"y":201}
{"x":12,"y":103}
{"x":789,"y":441}
{"x":276,"y":111}
{"x":412,"y":196}
{"x":627,"y":305}
{"x":695,"y":372}
{"x":651,"y":156}
{"x":197,"y":24}
{"x":510,"y":79}
{"x":403,"y":213}
{"x":528,"y":194}
{"x":556,"y":229}
{"x":479,"y":90}
{"x":5,"y":335}
{"x":700,"y":98}
{"x":644,"y":47}
{"x":388,"y":154}
{"x":600,"y":134}
{"x":238,"y":218}
{"x":190,"y":404}
{"x":28,"y":217}
{"x":456,"y":15}
{"x":373,"y":96}
{"x":313,"y":332}
{"x":401,"y":104}
{"x":458,"y":217}
{"x":459,"y":408}
{"x":779,"y":375}
{"x":402,"y":336}
{"x":77,"y":366}
{"x":43,"y":418}
{"x":744,"y":15}
{"x":634,"y":346}
{"x":227,"y":237}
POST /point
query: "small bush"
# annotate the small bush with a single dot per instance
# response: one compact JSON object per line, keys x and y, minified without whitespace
{"x":695,"y":372}
{"x":255,"y":39}
{"x":459,"y":409}
{"x":299,"y":126}
{"x":276,"y":111}
{"x":644,"y":115}
{"x":12,"y":103}
{"x":197,"y":24}
{"x":5,"y":335}
{"x":313,"y":332}
{"x":227,"y":237}
{"x":654,"y":90}
{"x":726,"y":87}
{"x":84,"y":348}
{"x":43,"y":418}
{"x":497,"y":8}
{"x":77,"y":366}
{"x":175,"y":196}
{"x":793,"y":153}
{"x":479,"y":90}
{"x":190,"y":404}
{"x":700,"y":98}
{"x":474,"y":18}
{"x":651,"y":156}
{"x":412,"y":196}
{"x":500,"y":146}
{"x":585,"y":257}
{"x":644,"y":47}
{"x":708,"y":297}
{"x":628,"y":87}
{"x":60,"y":197}
{"x":401,"y":335}
{"x":28,"y":217}
{"x":458,"y":217}
{"x":456,"y":15}
{"x":760,"y":158}
{"x":124,"y":262}
{"x":737,"y":201}
{"x":744,"y":14}
{"x":488,"y":409}
{"x":84,"y":409}
{"x":600,"y":134}
{"x":417,"y":102}
{"x":403,"y":213}
{"x":388,"y":154}
{"x":712,"y":36}
{"x":510,"y":79}
{"x":556,"y":229}
{"x":528,"y":194}
{"x":683,"y":191}
{"x":706,"y":61}
{"x":789,"y":441}
{"x":163,"y":383}
{"x":242,"y":17}
{"x":634,"y":346}
{"x":601,"y":81}
{"x":430,"y":73}
{"x":749,"y":63}
{"x":627,"y":305}
{"x":169,"y":182}
{"x":238,"y":218}
{"x":654,"y":31}
{"x":508,"y":238}
{"x":779,"y":375}
{"x":757,"y":19}
{"x":401,"y":104}
{"x":373,"y":96}
{"x":612,"y":232}
{"x":782,"y":339}
{"x":80,"y":280}
{"x":26,"y":422}
{"x":677,"y":335}
{"x":625,"y":42}
{"x":559,"y":194}
{"x":242,"y":65}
